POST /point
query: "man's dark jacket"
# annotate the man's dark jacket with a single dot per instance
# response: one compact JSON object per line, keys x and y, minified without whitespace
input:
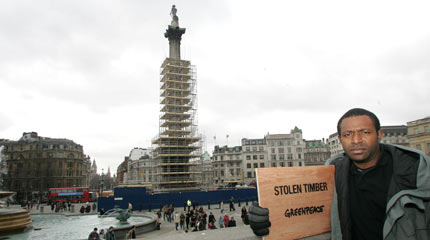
{"x":408,"y":197}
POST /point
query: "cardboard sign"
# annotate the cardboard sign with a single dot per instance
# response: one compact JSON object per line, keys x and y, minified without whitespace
{"x":299,"y":200}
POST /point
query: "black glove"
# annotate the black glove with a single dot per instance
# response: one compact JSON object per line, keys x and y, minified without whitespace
{"x":259,"y":219}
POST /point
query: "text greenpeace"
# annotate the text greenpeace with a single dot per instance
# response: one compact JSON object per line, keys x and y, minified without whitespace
{"x":292,"y":212}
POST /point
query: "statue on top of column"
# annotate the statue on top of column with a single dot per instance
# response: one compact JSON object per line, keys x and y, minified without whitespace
{"x":175,"y":20}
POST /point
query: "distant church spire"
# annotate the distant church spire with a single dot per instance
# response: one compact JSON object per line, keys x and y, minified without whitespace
{"x":174,"y":34}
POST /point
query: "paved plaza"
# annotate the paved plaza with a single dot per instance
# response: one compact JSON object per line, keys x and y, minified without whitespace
{"x":168,"y":231}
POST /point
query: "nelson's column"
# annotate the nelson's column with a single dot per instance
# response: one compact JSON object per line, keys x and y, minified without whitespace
{"x":178,"y":143}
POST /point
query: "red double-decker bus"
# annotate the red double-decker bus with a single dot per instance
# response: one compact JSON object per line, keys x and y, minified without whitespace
{"x":73,"y":194}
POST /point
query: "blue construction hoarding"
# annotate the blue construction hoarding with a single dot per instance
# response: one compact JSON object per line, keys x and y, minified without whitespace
{"x":141,"y":200}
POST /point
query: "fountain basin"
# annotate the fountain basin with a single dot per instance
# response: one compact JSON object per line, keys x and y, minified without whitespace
{"x":54,"y":226}
{"x":14,"y":220}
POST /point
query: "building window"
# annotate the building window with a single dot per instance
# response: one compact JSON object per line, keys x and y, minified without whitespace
{"x":262,"y":165}
{"x":273,"y":150}
{"x":272,"y":157}
{"x":249,"y":174}
{"x":255,"y":165}
{"x":280,"y":150}
{"x":282,"y":164}
{"x":300,"y":156}
{"x":248,"y":149}
{"x":419,"y":147}
{"x":254,"y":149}
{"x":261,"y":149}
{"x":300,"y":164}
{"x":254,"y":157}
{"x":273,"y":164}
{"x":415,"y":130}
{"x":289,"y":150}
{"x":282,"y":157}
{"x":248,"y":157}
{"x":290,"y":164}
{"x":261,"y":156}
{"x":299,"y":149}
{"x":290,"y":156}
{"x":248,"y":165}
{"x":427,"y":129}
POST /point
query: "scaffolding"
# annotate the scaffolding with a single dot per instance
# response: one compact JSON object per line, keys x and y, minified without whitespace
{"x":178,"y":144}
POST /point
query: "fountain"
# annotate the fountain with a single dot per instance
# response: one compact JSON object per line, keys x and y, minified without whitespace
{"x":62,"y":226}
{"x":13,"y":220}
{"x":123,"y":215}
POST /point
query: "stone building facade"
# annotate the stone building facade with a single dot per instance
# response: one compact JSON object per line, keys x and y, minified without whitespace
{"x":35,"y":164}
{"x":254,"y":155}
{"x":419,"y":134}
{"x":316,"y":152}
{"x":140,"y":167}
{"x":286,"y":150}
{"x":236,"y":165}
{"x":334,"y":144}
{"x":227,"y":165}
{"x":395,"y":135}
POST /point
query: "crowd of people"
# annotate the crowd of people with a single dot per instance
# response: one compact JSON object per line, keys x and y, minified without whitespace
{"x":110,"y":234}
{"x":196,"y":218}
{"x":192,"y":219}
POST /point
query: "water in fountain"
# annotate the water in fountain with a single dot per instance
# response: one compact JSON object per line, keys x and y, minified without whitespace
{"x":73,"y":227}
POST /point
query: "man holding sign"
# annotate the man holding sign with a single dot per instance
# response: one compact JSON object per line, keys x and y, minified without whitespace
{"x":382,"y":191}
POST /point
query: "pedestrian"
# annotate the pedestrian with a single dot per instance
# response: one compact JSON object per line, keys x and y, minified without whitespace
{"x":177,"y":220}
{"x":94,"y":207}
{"x":244,"y":213}
{"x":222,"y":206}
{"x":172,"y":212}
{"x":187,"y":219}
{"x":232,"y":204}
{"x":380,"y":188}
{"x":232,"y":222}
{"x":102,"y":211}
{"x":221,"y":221}
{"x":211,"y":225}
{"x":132,"y":233}
{"x":193,"y":220}
{"x":189,"y":204}
{"x":211,"y":217}
{"x":226,"y":220}
{"x":102,"y":234}
{"x":182,"y":220}
{"x":88,"y":209}
{"x":158,"y":221}
{"x":110,"y":235}
{"x":94,"y":235}
{"x":164,"y":212}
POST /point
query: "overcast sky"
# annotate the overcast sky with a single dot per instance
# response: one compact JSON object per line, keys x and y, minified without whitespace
{"x":89,"y":70}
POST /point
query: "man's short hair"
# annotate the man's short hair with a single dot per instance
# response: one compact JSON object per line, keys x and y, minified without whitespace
{"x":95,"y":229}
{"x":359,"y":112}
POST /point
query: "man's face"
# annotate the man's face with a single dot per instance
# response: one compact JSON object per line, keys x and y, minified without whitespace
{"x":360,"y":140}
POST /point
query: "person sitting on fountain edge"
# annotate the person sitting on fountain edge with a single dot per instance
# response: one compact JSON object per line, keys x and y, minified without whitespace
{"x":382,"y":191}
